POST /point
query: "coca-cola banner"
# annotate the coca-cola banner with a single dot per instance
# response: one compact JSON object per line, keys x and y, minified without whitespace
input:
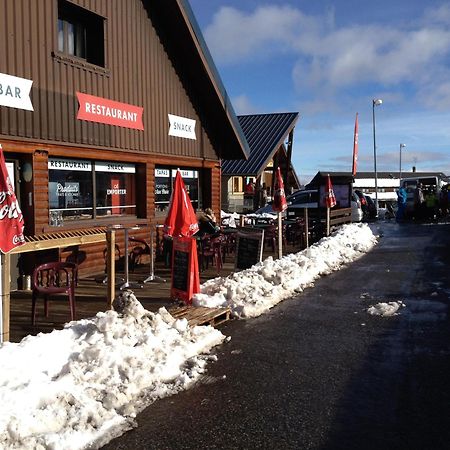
{"x":11,"y":217}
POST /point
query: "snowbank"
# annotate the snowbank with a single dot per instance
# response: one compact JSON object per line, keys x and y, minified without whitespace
{"x":252,"y":292}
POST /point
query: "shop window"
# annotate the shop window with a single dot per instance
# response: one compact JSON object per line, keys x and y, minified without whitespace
{"x":115,"y":189}
{"x":80,"y":33}
{"x":164,"y":178}
{"x":72,"y":195}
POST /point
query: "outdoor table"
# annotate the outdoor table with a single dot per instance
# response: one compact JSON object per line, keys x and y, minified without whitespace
{"x":152,"y":276}
{"x":127,"y":284}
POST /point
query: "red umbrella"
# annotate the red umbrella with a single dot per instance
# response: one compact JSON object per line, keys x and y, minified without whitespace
{"x":181,"y":219}
{"x":330,"y":198}
{"x":279,"y":196}
{"x":11,"y":217}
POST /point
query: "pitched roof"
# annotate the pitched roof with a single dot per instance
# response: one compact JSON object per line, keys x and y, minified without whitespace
{"x":265,"y":133}
{"x":182,"y":38}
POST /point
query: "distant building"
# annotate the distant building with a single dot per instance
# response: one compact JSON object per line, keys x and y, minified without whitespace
{"x":270,"y":138}
{"x":387,"y":183}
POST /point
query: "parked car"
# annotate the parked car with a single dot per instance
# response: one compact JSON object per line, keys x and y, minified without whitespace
{"x":357,"y":212}
{"x":299,"y":199}
{"x":362,"y":199}
{"x":371,"y":208}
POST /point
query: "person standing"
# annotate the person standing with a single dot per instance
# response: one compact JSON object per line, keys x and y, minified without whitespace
{"x":419,"y":201}
{"x":401,"y":204}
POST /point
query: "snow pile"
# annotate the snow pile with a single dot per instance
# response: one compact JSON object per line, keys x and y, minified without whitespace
{"x":254,"y":291}
{"x":230,"y":220}
{"x":84,"y":384}
{"x":385,"y":309}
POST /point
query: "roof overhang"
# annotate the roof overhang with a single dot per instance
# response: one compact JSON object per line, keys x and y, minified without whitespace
{"x":180,"y":35}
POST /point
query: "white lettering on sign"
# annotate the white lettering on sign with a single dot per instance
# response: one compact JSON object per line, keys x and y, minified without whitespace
{"x":162,"y":172}
{"x":67,"y":190}
{"x":15,"y":92}
{"x":69,"y":164}
{"x":186,"y":173}
{"x":181,"y":127}
{"x":115,"y":167}
{"x":106,"y":111}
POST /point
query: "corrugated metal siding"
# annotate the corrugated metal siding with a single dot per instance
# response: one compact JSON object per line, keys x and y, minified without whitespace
{"x":138,"y":71}
{"x":264,"y":133}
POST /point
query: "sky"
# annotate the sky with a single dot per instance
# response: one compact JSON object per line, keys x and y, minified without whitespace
{"x":329,"y":60}
{"x":82,"y":386}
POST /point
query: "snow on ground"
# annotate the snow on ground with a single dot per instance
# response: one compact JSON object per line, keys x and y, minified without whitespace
{"x":82,"y":386}
{"x":254,"y":291}
{"x":385,"y":309}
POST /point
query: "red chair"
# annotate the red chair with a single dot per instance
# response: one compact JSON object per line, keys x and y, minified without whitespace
{"x":54,"y":278}
{"x":213,"y":250}
{"x":139,"y":248}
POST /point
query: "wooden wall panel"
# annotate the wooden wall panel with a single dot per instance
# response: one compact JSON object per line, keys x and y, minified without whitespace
{"x":138,"y":71}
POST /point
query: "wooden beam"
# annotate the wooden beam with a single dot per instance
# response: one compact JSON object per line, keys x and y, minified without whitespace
{"x":5,"y":294}
{"x":59,"y":242}
{"x":111,"y":267}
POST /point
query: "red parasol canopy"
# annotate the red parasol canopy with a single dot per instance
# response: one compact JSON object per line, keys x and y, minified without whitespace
{"x":330,"y":198}
{"x":181,"y":219}
{"x":11,"y":217}
{"x":279,"y":197}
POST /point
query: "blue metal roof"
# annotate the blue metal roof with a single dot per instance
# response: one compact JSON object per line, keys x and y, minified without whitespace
{"x":265,"y":133}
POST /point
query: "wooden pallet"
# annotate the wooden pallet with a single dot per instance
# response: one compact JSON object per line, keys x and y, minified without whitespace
{"x":200,"y":315}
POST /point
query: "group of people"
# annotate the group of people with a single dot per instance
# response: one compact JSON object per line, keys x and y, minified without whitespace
{"x":259,"y":194}
{"x":427,"y":203}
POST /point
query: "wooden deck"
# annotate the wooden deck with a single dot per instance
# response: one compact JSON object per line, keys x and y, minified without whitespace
{"x":91,"y":298}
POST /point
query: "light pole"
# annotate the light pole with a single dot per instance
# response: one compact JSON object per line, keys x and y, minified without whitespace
{"x":375,"y":102}
{"x":400,"y":174}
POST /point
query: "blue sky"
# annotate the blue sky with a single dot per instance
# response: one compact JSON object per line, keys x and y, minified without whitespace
{"x":328,"y":60}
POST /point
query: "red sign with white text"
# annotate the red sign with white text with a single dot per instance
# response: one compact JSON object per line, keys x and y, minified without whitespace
{"x":102,"y":110}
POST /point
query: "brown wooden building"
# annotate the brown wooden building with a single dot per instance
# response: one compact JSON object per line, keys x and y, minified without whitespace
{"x":123,"y":93}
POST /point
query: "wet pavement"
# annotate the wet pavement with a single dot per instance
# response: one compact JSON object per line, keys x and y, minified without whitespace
{"x":319,"y":372}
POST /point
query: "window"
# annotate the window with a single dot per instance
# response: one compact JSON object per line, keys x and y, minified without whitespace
{"x":164,"y":179}
{"x":237,"y":184}
{"x":80,"y":33}
{"x":72,"y":195}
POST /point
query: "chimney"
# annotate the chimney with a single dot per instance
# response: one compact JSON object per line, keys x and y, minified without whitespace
{"x":414,"y":168}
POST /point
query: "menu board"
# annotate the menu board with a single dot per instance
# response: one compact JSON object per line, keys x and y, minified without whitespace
{"x":249,"y":248}
{"x":180,"y":270}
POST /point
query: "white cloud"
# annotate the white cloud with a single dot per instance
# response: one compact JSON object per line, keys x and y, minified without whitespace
{"x":325,"y":57}
{"x":242,"y":105}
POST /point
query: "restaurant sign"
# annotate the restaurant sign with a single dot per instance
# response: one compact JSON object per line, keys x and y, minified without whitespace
{"x":110,"y":112}
{"x":15,"y":92}
{"x":182,"y":127}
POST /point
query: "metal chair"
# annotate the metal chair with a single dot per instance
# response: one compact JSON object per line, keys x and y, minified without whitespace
{"x":54,"y":278}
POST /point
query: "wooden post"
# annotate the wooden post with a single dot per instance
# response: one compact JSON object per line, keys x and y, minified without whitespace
{"x":5,"y":295}
{"x":328,"y":221}
{"x":111,"y":267}
{"x":241,"y":221}
{"x":280,"y":235}
{"x":306,"y":227}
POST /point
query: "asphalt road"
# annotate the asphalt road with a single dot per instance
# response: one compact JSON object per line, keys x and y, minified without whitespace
{"x":319,"y":372}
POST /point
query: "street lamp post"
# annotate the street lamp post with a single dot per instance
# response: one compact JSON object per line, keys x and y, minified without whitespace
{"x":400,"y":174}
{"x":375,"y":102}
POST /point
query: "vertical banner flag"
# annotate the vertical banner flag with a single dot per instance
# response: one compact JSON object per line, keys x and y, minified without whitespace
{"x":11,"y":217}
{"x":330,"y":198}
{"x":355,"y":146}
{"x":279,"y":196}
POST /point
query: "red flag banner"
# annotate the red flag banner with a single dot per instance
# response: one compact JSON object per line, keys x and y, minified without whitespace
{"x":330,"y":198}
{"x":279,"y":196}
{"x":355,"y":147}
{"x":11,"y":217}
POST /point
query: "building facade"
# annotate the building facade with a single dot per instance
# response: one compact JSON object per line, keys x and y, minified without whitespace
{"x":101,"y":101}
